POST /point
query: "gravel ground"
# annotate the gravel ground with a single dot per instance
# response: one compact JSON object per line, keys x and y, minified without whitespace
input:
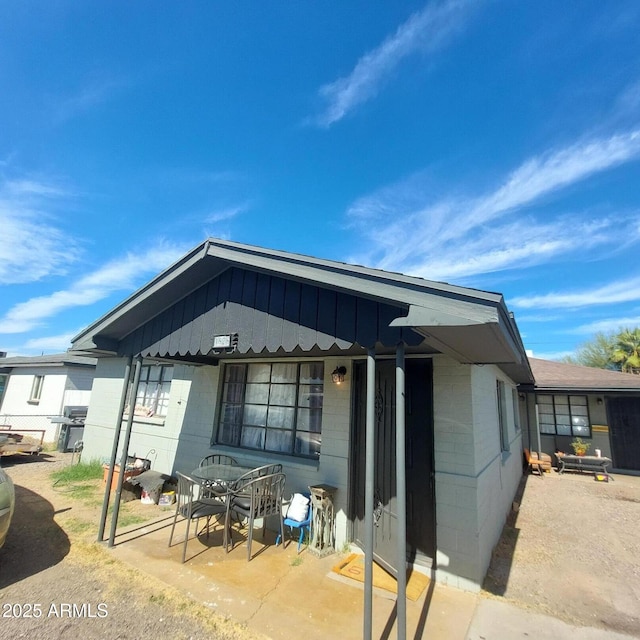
{"x":55,"y":580}
{"x":572,"y":550}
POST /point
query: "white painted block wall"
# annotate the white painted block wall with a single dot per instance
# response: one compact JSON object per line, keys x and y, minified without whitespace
{"x":18,"y":409}
{"x":179,"y":441}
{"x":475,"y":481}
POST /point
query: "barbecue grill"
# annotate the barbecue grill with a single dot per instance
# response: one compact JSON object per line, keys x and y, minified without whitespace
{"x":71,"y":428}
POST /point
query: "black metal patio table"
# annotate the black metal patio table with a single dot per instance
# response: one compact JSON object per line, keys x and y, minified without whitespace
{"x":220,"y":475}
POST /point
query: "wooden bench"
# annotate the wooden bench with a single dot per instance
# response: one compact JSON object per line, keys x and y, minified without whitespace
{"x":541,"y":462}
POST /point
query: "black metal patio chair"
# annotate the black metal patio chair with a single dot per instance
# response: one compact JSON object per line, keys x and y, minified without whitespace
{"x":192,"y":504}
{"x":255,"y":498}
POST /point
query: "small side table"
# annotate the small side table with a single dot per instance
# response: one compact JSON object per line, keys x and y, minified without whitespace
{"x":322,"y":529}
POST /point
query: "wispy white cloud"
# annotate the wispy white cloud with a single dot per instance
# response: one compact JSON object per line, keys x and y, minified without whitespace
{"x":425,"y":31}
{"x":552,"y":171}
{"x":94,"y":93}
{"x":30,"y":229}
{"x":607,"y":325}
{"x":120,"y":274}
{"x":460,"y":236}
{"x":524,"y":243}
{"x":542,"y":317}
{"x":627,"y":290}
{"x":225,"y":213}
{"x":49,"y":344}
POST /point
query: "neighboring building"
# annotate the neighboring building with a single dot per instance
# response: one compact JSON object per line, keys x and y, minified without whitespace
{"x":268,"y":356}
{"x":597,"y":405}
{"x":35,"y":389}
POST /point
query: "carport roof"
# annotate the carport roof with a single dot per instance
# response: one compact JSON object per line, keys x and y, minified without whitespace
{"x":472,"y":326}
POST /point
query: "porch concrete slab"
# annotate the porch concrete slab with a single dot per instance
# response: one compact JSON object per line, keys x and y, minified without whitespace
{"x":280,"y":591}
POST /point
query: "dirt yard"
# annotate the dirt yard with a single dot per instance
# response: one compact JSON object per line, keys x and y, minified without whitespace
{"x":55,"y":580}
{"x":572,"y":550}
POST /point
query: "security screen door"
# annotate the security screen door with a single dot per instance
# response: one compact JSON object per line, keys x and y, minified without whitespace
{"x":419,"y":462}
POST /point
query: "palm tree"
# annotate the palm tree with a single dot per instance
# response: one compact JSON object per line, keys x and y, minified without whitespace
{"x":627,"y":350}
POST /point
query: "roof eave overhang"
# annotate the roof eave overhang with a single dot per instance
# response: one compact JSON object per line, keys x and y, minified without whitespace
{"x":488,"y":338}
{"x":583,"y":389}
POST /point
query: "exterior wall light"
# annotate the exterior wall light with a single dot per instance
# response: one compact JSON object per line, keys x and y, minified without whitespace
{"x":338,"y":374}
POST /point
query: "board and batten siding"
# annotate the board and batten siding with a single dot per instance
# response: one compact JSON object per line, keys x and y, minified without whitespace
{"x":269,"y":314}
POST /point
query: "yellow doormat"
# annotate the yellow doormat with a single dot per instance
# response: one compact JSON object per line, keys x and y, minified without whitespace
{"x":353,"y":567}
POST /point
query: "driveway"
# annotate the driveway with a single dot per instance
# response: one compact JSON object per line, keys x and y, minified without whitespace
{"x":572,"y":551}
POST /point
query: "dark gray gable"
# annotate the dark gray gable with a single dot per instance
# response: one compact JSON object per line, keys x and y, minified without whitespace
{"x":270,"y":314}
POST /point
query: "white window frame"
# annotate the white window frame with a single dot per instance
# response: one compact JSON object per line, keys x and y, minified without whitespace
{"x":4,"y":382}
{"x":503,"y":422}
{"x":516,"y":408}
{"x":152,"y":397}
{"x":36,"y":389}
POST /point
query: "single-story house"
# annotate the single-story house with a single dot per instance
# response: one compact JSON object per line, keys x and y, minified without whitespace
{"x":271,"y":356}
{"x":35,"y":389}
{"x":600,"y":406}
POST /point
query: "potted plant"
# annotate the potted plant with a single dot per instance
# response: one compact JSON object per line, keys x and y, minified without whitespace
{"x":580,"y":447}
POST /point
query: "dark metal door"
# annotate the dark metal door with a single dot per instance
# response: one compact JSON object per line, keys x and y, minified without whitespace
{"x":419,"y":462}
{"x":624,"y":429}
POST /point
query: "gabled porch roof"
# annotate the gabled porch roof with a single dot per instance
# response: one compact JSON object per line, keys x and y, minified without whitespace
{"x":290,"y":303}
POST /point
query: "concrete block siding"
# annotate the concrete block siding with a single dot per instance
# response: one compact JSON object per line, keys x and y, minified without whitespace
{"x":178,"y":441}
{"x":475,"y":480}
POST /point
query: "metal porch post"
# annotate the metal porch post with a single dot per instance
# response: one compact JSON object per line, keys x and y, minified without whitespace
{"x":368,"y":493}
{"x":538,"y":429}
{"x":114,"y":449}
{"x":125,"y":450}
{"x":401,"y":494}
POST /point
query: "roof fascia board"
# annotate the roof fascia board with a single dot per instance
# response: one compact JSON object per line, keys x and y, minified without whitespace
{"x":46,"y":363}
{"x":583,"y":389}
{"x":379,"y":284}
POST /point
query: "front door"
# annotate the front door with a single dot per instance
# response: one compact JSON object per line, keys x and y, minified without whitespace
{"x":624,"y":429}
{"x":419,"y":462}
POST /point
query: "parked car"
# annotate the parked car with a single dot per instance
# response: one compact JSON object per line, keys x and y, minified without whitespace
{"x":7,"y":504}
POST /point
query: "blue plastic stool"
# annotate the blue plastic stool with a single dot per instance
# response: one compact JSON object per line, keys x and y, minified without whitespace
{"x":304,"y":525}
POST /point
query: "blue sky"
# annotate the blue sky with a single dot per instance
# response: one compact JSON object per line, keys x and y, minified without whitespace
{"x":490,"y":144}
